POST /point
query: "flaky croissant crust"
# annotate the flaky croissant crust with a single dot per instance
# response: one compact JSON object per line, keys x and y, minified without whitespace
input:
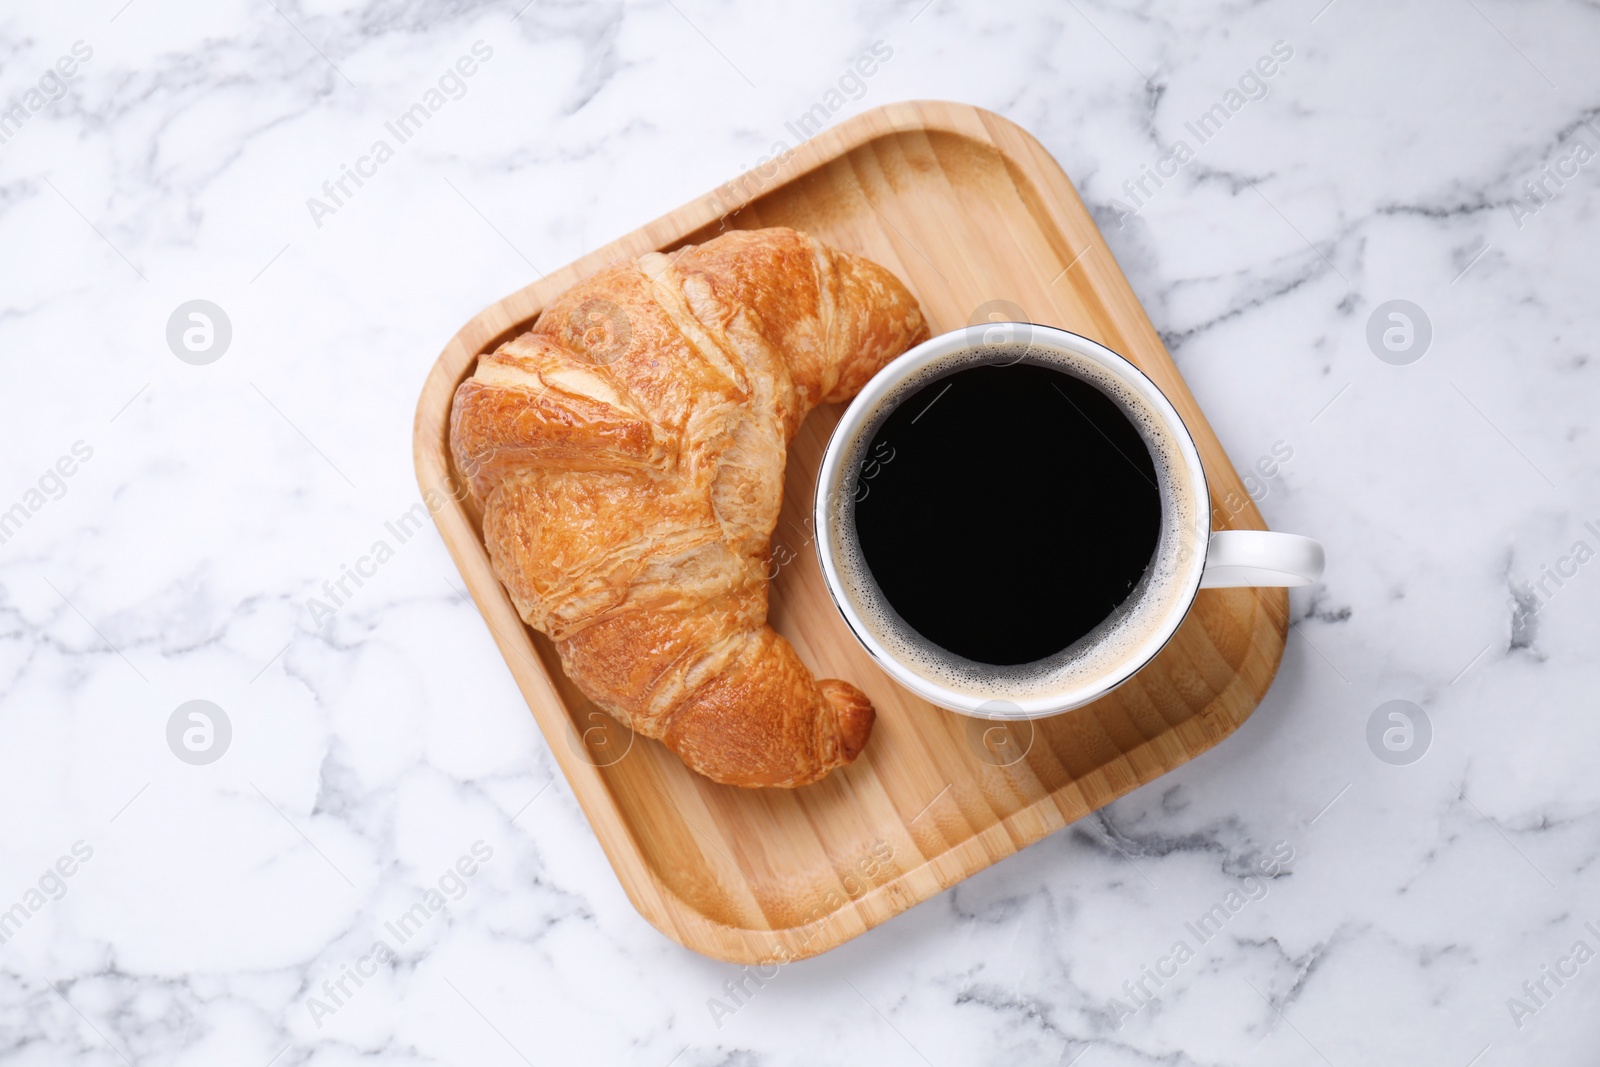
{"x":627,"y":454}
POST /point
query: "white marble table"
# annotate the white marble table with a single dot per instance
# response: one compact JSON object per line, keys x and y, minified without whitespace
{"x":165,"y":524}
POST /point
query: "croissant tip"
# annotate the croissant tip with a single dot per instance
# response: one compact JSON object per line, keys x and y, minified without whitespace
{"x":855,"y":716}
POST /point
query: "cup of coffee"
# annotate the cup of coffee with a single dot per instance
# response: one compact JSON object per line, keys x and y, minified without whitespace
{"x":1014,"y":521}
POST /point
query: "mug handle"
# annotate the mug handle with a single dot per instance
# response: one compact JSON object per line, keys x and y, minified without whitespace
{"x":1261,"y":557}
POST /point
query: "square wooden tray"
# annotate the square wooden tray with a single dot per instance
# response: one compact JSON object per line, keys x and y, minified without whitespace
{"x":966,"y":208}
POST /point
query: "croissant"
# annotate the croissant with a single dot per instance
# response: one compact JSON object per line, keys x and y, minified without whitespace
{"x":627,"y":455}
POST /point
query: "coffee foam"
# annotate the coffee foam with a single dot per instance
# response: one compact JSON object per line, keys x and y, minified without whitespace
{"x":1104,"y":654}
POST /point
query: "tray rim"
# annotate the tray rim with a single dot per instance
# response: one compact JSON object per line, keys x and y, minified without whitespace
{"x":656,"y":901}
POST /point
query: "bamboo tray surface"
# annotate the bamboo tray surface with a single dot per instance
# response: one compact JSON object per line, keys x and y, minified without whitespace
{"x":967,"y":208}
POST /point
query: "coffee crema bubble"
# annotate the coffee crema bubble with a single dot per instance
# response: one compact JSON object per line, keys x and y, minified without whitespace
{"x":1129,"y":553}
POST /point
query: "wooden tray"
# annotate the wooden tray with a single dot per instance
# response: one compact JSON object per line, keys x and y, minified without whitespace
{"x":966,"y":208}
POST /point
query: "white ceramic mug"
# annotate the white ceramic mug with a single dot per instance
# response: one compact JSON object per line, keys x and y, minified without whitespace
{"x":1189,"y":555}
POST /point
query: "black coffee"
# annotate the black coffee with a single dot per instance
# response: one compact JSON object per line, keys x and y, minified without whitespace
{"x":1006,"y":511}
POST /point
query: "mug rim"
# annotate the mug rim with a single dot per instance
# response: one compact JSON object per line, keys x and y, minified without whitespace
{"x":958,"y":342}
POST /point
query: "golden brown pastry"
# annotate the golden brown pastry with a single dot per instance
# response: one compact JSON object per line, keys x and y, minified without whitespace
{"x":627,"y":454}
